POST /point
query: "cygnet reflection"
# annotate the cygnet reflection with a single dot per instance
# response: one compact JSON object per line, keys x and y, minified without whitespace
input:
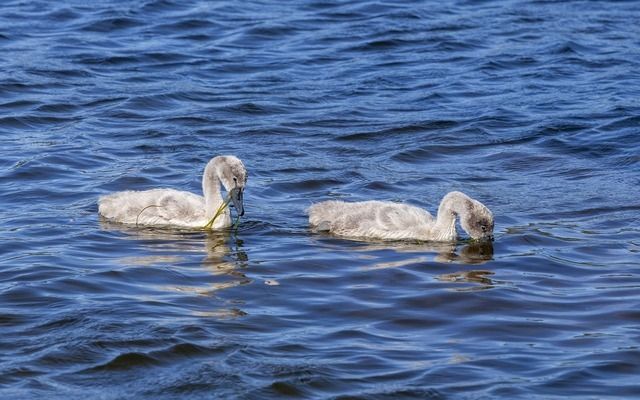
{"x":224,"y":260}
{"x":474,"y":277}
{"x":467,"y":253}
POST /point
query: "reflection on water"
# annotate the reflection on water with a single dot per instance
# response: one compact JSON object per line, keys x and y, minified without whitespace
{"x":467,"y":253}
{"x":224,"y":259}
{"x":473,"y":276}
{"x":148,"y":261}
{"x":470,"y":253}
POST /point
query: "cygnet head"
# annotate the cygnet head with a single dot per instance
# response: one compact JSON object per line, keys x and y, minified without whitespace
{"x":477,"y":220}
{"x":233,"y":176}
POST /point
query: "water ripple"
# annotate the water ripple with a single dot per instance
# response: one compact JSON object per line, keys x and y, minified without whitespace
{"x":530,"y":107}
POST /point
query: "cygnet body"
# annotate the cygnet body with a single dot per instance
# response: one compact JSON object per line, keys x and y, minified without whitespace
{"x":396,"y":221}
{"x":174,"y":208}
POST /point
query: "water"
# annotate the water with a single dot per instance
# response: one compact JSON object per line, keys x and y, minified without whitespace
{"x":530,"y":107}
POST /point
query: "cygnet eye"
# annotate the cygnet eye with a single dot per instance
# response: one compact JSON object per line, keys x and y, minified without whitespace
{"x":483,"y":227}
{"x":235,"y":179}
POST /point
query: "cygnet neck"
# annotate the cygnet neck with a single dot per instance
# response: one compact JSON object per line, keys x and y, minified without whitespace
{"x":452,"y":205}
{"x":211,"y":189}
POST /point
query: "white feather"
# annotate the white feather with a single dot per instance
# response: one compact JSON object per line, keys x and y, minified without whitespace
{"x":174,"y":208}
{"x":388,"y":220}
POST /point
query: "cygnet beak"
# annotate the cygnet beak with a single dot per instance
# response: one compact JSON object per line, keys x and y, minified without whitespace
{"x":236,"y":200}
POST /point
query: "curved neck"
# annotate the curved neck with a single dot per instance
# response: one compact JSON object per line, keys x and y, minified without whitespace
{"x":452,"y":205}
{"x":211,"y":190}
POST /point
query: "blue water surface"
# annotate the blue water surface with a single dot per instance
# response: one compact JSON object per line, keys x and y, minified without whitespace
{"x":531,"y":107}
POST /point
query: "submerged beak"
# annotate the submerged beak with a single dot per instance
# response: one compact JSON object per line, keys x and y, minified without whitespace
{"x":236,"y":200}
{"x":487,"y":238}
